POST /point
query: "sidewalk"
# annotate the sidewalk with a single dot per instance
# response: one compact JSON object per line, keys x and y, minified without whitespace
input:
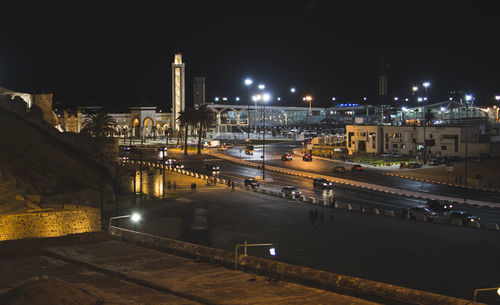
{"x":169,"y":279}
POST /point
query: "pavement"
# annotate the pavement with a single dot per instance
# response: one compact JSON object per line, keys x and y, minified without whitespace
{"x":121,"y":273}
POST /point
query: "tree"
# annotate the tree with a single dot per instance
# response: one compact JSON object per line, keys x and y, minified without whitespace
{"x":203,"y":118}
{"x":186,"y":118}
{"x":99,"y":125}
{"x":430,"y":116}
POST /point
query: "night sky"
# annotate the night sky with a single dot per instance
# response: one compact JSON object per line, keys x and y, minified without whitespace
{"x":120,"y":55}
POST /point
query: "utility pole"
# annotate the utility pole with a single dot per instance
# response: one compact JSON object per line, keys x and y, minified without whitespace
{"x":140,"y":175}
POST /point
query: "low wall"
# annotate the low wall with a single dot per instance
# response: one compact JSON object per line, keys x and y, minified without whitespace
{"x":49,"y":223}
{"x":371,"y":290}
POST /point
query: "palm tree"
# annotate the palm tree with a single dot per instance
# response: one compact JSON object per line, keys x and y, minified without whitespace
{"x":203,"y":118}
{"x":186,"y":118}
{"x":430,"y":116}
{"x":99,"y":125}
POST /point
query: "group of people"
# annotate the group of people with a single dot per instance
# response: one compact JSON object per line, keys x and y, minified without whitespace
{"x":314,"y":216}
{"x":169,"y":185}
{"x":193,"y":187}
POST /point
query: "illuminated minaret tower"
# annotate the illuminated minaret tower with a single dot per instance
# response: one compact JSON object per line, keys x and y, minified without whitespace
{"x":178,"y":103}
{"x":382,"y":81}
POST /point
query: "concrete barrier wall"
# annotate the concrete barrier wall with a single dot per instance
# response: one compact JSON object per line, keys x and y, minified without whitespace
{"x":371,"y":290}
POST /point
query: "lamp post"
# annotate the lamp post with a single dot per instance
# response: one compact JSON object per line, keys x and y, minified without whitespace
{"x":309,"y":99}
{"x":497,"y":98}
{"x":476,"y":291}
{"x":272,"y":250}
{"x":426,"y":85}
{"x":264,"y":98}
{"x":468,"y":98}
{"x":135,"y":217}
{"x":248,"y":83}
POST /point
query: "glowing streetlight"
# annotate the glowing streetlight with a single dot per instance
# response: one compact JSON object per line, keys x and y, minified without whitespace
{"x":248,"y":83}
{"x":262,"y":86}
{"x":333,"y":99}
{"x":134,"y":217}
{"x":414,"y":88}
{"x":265,"y":97}
{"x":396,"y":98}
{"x":484,"y":289}
{"x":309,"y":99}
{"x":216,"y":99}
{"x":420,"y":99}
{"x":237,"y":98}
{"x":292,"y":90}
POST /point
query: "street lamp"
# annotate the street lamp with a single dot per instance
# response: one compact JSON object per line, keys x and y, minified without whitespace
{"x":426,"y":85}
{"x":272,"y":250}
{"x":468,"y":98}
{"x":248,"y":83}
{"x":134,"y":217}
{"x":497,"y":98}
{"x":264,"y":98}
{"x":292,"y":90}
{"x":484,"y":289}
{"x":309,"y":99}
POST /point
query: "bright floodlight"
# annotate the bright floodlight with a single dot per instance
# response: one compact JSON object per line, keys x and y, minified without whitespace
{"x":404,"y":109}
{"x":216,"y":99}
{"x":308,"y":98}
{"x":468,"y":97}
{"x":396,"y":98}
{"x":256,"y":98}
{"x":333,"y":99}
{"x":443,"y":109}
{"x":426,"y":84}
{"x":415,"y":88}
{"x":266,"y":97}
{"x":497,"y":97}
{"x":224,"y":98}
{"x":237,"y":98}
{"x":248,"y":81}
{"x":262,"y":86}
{"x":498,"y":291}
{"x":135,"y":217}
{"x":272,"y":251}
{"x":292,"y":90}
{"x":279,"y":98}
{"x":407,"y":99}
{"x":420,"y":99}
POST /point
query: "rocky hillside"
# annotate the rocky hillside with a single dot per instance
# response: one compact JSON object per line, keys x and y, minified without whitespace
{"x":44,"y":165}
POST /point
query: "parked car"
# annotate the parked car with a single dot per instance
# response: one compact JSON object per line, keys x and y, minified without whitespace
{"x":465,"y":217}
{"x":176,"y":164}
{"x":290,"y":190}
{"x":356,"y":168}
{"x":438,"y":205}
{"x":130,"y":148}
{"x":322,"y":183}
{"x":339,"y":169}
{"x":252,"y":182}
{"x":212,"y":167}
{"x":414,"y":165}
{"x":434,"y":162}
{"x":307,"y":157}
{"x":423,"y":211}
{"x":286,"y":157}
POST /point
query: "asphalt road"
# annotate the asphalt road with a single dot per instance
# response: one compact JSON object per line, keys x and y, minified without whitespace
{"x":344,"y":194}
{"x":369,"y":175}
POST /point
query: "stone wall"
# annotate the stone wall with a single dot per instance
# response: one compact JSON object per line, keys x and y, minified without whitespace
{"x":49,"y":223}
{"x":362,"y":288}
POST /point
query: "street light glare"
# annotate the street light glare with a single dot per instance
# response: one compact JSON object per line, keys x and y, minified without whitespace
{"x":468,"y":97}
{"x":308,"y":98}
{"x":266,"y":97}
{"x":272,"y":251}
{"x":292,"y":90}
{"x":497,"y":97}
{"x":426,"y":84}
{"x":262,"y":86}
{"x":415,"y":88}
{"x":135,"y":217}
{"x":248,"y":81}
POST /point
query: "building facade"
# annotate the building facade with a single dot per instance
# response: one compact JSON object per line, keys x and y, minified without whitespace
{"x":443,"y":141}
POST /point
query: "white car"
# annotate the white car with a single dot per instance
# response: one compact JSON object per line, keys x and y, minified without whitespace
{"x":291,"y":190}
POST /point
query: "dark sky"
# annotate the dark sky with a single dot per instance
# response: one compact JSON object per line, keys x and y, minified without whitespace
{"x":120,"y":55}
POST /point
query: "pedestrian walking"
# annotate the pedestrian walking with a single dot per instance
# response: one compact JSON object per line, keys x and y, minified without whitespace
{"x":169,"y":185}
{"x":228,"y":182}
{"x":175,"y":185}
{"x":232,"y":186}
{"x":311,"y":216}
{"x":332,"y":220}
{"x":194,"y":186}
{"x":208,"y":181}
